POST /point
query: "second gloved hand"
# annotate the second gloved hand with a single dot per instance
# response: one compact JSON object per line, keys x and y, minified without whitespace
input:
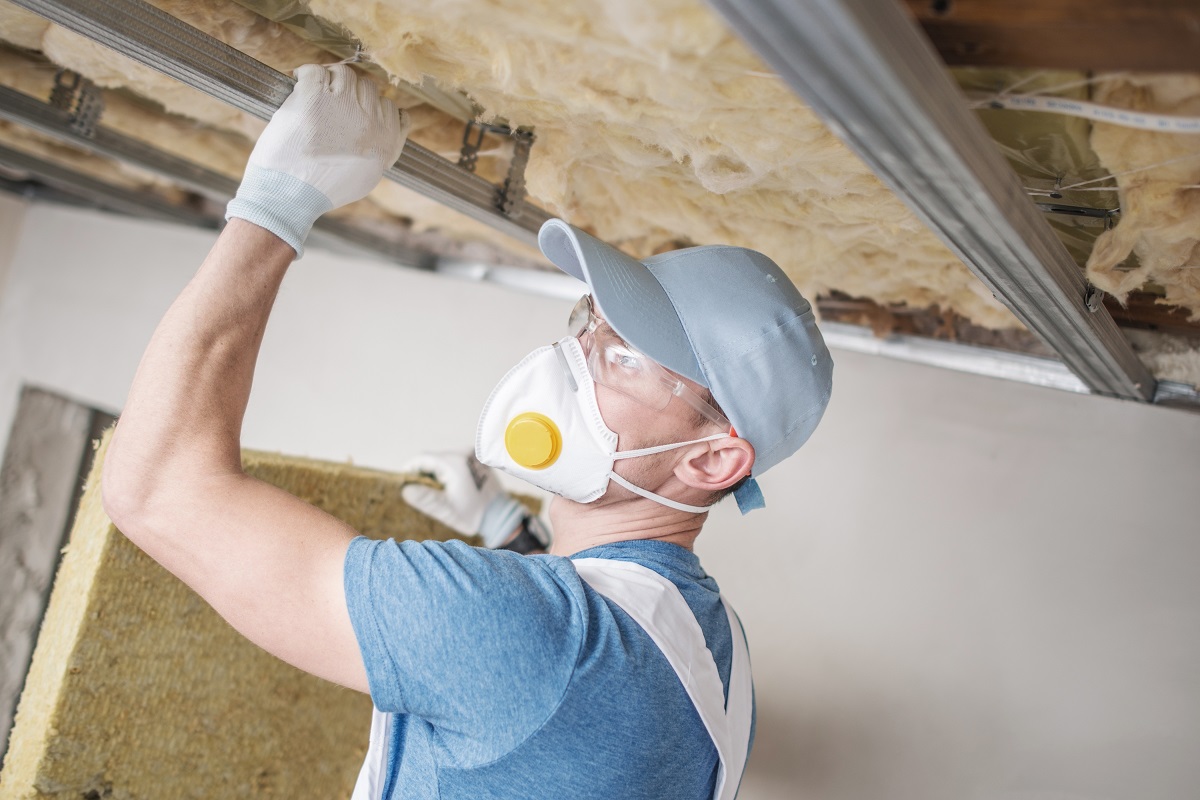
{"x":472,"y":500}
{"x":326,"y":146}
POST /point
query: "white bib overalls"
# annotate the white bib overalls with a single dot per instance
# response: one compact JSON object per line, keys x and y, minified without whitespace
{"x":656,"y":605}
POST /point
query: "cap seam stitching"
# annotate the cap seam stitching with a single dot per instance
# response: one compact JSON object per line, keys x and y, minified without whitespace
{"x":672,"y":255}
{"x":749,"y":342}
{"x":686,"y":330}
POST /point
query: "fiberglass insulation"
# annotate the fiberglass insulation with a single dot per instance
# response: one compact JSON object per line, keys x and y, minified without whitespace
{"x":1160,"y":220}
{"x":656,"y":127}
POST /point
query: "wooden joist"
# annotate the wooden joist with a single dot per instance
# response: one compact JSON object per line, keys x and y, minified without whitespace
{"x":1151,"y":36}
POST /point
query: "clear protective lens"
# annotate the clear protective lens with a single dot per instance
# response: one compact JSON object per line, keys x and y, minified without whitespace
{"x":581,"y":314}
{"x":614,"y":364}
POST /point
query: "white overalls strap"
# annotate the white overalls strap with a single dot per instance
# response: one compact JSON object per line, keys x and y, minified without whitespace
{"x":658,"y":607}
{"x":373,"y":775}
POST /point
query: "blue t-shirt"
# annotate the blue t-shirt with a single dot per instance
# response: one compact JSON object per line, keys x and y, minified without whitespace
{"x":512,"y":678}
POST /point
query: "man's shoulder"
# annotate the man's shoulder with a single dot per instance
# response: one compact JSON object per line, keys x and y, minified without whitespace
{"x":454,"y":567}
{"x":449,"y":633}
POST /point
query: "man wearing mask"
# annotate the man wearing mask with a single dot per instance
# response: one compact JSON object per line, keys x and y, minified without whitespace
{"x":609,"y":667}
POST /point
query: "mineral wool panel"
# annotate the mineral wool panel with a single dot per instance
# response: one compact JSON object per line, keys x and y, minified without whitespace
{"x":139,"y":690}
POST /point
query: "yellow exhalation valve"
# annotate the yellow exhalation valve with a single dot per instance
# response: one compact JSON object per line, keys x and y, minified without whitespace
{"x":533,"y":440}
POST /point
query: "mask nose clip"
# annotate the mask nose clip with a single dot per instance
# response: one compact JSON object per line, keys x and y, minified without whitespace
{"x":566,"y":367}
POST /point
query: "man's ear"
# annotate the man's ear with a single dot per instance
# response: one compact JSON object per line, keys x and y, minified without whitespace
{"x":716,"y":465}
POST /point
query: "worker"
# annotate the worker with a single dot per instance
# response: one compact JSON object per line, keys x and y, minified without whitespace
{"x":609,"y":667}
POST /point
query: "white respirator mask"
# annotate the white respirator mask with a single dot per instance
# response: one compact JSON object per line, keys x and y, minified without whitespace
{"x":542,"y":424}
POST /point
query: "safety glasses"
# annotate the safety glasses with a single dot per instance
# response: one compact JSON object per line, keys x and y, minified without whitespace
{"x":614,"y":364}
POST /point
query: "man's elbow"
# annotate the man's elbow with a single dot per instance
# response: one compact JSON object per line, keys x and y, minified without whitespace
{"x":126,"y":498}
{"x":129,"y":489}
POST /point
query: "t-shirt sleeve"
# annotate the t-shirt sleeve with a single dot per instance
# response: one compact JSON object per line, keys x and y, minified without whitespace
{"x":479,"y":643}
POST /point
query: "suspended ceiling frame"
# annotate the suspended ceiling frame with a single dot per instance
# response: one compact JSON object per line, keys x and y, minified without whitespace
{"x":93,"y":192}
{"x":893,"y":109}
{"x":68,"y":185}
{"x":169,"y":45}
{"x":46,"y":119}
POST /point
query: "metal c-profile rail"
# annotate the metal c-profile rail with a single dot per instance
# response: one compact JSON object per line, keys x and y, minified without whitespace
{"x":98,"y":193}
{"x":42,"y":117}
{"x":867,"y":69}
{"x":24,"y":110}
{"x":68,"y":185}
{"x":164,"y":43}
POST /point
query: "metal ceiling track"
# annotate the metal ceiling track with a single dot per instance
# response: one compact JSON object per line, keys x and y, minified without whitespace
{"x":986,"y":361}
{"x":235,"y":82}
{"x":162,"y":42}
{"x":867,"y":69}
{"x":98,"y":193}
{"x":46,"y":119}
{"x":66,"y":185}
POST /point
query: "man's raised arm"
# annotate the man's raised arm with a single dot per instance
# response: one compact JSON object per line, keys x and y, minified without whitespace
{"x":268,"y":563}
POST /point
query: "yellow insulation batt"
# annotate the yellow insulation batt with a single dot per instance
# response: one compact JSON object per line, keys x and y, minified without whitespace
{"x":22,"y":28}
{"x":139,"y":690}
{"x":1160,"y":220}
{"x":108,"y":171}
{"x":217,"y":150}
{"x":656,"y":127}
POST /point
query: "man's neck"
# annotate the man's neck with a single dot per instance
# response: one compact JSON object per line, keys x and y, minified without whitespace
{"x":578,"y":526}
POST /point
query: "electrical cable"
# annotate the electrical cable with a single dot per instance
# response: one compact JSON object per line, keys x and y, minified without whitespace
{"x":1162,"y":123}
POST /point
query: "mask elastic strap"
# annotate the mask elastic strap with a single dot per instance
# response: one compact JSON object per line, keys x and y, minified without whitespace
{"x":662,"y":448}
{"x":675,"y":504}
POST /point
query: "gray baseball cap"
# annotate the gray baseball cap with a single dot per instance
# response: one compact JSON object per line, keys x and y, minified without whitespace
{"x":726,"y":317}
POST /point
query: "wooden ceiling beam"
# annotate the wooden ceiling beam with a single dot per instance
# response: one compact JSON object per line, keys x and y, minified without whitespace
{"x":1150,"y":36}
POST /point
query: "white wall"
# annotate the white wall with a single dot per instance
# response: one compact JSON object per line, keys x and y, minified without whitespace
{"x":962,"y":588}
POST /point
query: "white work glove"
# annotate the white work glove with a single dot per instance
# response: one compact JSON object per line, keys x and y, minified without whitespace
{"x":326,"y":146}
{"x":472,"y":501}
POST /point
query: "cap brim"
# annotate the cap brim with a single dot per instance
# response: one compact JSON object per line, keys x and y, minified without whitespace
{"x":629,"y":296}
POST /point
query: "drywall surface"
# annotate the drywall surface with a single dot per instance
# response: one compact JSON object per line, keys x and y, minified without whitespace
{"x":965,"y":588}
{"x":961,"y":588}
